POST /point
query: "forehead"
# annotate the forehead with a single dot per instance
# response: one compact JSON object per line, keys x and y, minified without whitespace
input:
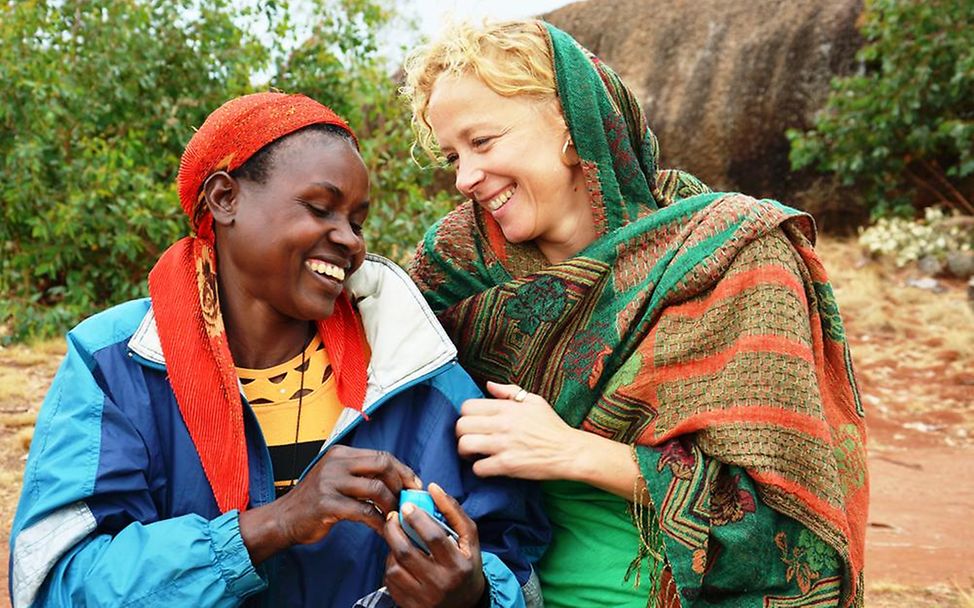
{"x":461,"y":103}
{"x":316,"y":157}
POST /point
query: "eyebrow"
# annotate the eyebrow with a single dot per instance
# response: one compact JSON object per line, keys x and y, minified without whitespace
{"x":464,"y":133}
{"x":329,"y":187}
{"x":336,"y":191}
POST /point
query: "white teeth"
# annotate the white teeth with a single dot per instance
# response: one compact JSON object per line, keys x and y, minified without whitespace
{"x":498,"y":201}
{"x":329,"y":270}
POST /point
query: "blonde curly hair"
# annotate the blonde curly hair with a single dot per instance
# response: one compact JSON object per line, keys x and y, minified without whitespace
{"x":510,"y":57}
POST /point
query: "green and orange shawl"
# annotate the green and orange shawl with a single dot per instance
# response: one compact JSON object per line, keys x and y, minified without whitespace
{"x":699,"y":327}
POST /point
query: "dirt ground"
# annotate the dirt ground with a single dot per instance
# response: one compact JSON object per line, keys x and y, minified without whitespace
{"x":914,"y":354}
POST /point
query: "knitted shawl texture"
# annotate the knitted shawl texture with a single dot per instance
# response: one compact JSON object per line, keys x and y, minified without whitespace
{"x":700,"y":327}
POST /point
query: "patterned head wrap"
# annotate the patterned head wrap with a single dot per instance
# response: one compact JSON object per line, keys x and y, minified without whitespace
{"x":701,"y":329}
{"x":185,"y":297}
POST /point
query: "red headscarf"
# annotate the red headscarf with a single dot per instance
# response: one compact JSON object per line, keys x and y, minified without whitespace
{"x":185,"y":298}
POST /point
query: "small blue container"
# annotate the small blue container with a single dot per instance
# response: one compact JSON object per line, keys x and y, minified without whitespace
{"x":422,"y":500}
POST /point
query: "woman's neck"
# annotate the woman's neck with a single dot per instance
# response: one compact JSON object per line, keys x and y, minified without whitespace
{"x":559,"y":251}
{"x":576,"y":232}
{"x":262,"y":346}
{"x":258,"y":336}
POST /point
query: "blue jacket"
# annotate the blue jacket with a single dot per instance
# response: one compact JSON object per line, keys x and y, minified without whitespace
{"x":115,"y":509}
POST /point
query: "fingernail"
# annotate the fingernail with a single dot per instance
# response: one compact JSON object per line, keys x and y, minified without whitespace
{"x":417,"y":481}
{"x":408,"y":508}
{"x":390,"y":515}
{"x":436,"y":486}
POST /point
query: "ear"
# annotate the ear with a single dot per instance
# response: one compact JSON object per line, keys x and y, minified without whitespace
{"x":221,"y":192}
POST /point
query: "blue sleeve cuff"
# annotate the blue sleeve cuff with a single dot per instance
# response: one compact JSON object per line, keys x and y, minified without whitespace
{"x":505,"y":592}
{"x":232,"y":557}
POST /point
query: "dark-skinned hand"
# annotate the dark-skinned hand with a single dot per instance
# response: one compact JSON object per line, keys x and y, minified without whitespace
{"x":346,"y":484}
{"x":451,"y":575}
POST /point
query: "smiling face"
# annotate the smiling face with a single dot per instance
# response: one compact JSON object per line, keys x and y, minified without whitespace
{"x":506,"y":152}
{"x":287,"y":245}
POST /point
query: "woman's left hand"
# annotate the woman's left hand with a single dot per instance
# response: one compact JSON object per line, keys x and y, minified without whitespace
{"x":524,"y":439}
{"x":451,"y":574}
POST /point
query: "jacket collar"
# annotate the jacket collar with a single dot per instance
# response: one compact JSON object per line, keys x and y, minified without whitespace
{"x":406,"y":340}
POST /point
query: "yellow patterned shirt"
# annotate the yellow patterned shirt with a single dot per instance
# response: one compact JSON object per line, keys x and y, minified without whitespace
{"x":277,"y":398}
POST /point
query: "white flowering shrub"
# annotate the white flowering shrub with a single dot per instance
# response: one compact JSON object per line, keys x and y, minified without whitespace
{"x":907,"y":241}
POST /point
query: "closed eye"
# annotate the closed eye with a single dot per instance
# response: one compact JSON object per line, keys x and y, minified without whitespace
{"x":316,"y":211}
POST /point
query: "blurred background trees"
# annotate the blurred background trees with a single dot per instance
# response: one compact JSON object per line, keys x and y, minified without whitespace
{"x":100,"y":97}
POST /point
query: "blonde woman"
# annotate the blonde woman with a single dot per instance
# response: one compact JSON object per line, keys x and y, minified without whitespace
{"x":669,"y":361}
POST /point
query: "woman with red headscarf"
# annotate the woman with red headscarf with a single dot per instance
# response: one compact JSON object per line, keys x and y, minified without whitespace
{"x":226,"y":439}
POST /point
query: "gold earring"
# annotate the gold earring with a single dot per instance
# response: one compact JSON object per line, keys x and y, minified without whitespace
{"x":564,"y":152}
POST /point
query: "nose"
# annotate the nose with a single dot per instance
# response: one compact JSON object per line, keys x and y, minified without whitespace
{"x":344,"y":235}
{"x":469,"y":175}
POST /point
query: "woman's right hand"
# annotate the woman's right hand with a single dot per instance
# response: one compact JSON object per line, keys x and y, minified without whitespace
{"x":345,"y":484}
{"x":522,"y":436}
{"x":451,"y":574}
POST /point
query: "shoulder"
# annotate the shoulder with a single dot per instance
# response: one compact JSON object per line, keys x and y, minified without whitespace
{"x":773,"y":249}
{"x":451,"y":240}
{"x":724,"y":233}
{"x":406,"y":340}
{"x":109,"y":327}
{"x":455,"y":384}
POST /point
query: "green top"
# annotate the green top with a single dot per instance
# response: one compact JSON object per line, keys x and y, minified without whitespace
{"x":593,"y":542}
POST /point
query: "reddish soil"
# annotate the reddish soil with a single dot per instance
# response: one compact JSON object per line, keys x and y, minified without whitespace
{"x":914,"y":357}
{"x":920,"y":531}
{"x":922,"y":488}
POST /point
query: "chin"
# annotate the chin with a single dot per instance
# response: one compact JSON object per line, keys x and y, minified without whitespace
{"x":315,"y":310}
{"x":513,"y":235}
{"x":323,"y":312}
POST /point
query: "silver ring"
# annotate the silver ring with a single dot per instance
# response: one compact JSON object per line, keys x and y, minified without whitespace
{"x":520,"y":395}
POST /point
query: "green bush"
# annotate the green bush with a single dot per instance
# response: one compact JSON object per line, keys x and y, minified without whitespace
{"x":903,"y":129}
{"x":100,"y":98}
{"x":350,"y":78}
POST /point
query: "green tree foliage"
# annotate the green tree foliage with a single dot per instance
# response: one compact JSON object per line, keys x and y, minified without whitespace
{"x":339,"y":66}
{"x":100,"y":97}
{"x":903,"y":129}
